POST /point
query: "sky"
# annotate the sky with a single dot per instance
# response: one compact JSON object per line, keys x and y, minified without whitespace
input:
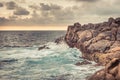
{"x":54,"y":14}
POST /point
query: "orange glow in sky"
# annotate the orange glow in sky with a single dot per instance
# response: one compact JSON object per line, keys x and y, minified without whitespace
{"x":2,"y":28}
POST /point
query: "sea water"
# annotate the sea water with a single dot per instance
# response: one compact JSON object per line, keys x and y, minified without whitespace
{"x":55,"y":63}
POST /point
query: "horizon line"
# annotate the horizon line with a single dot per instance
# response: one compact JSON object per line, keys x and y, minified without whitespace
{"x":32,"y":28}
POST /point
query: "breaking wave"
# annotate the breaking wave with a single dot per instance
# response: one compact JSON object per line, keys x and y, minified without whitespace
{"x":55,"y":63}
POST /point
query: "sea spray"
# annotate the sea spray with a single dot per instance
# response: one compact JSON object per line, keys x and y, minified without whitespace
{"x":54,"y":63}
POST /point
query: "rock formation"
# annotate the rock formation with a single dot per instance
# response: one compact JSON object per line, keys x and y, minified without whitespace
{"x":110,"y":72}
{"x":59,"y":40}
{"x":98,"y":42}
{"x":43,"y":47}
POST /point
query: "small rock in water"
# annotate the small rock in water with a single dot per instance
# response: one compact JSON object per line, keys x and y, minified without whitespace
{"x":59,"y":40}
{"x":82,"y":63}
{"x":43,"y":47}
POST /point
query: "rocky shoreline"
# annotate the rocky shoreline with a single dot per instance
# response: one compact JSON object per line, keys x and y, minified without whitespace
{"x":100,"y":43}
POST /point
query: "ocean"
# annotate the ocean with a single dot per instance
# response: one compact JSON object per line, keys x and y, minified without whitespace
{"x":54,"y":63}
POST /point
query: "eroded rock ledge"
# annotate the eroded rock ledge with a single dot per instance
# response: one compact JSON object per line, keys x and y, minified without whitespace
{"x":98,"y":42}
{"x":110,"y":72}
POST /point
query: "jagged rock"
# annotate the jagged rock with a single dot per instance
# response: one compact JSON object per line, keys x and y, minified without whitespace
{"x":118,"y":34}
{"x":60,"y":39}
{"x":110,"y":20}
{"x":99,"y":46}
{"x":84,"y":35}
{"x":117,"y":20}
{"x":97,"y":42}
{"x":110,"y":72}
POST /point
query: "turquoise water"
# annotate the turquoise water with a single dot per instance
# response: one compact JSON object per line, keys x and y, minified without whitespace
{"x":56,"y":63}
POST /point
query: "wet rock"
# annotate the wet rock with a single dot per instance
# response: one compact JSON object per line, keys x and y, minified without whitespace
{"x":82,"y":63}
{"x":43,"y":47}
{"x":99,"y":75}
{"x":60,"y":39}
{"x":110,"y":72}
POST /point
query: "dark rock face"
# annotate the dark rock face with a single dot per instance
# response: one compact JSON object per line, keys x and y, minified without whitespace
{"x":110,"y":72}
{"x":99,"y":42}
{"x":43,"y":47}
{"x":59,"y":40}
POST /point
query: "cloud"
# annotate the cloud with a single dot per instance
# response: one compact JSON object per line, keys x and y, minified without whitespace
{"x":3,"y":21}
{"x":11,"y":5}
{"x":51,"y":14}
{"x":54,"y":15}
{"x":34,"y":7}
{"x":1,"y":4}
{"x":97,"y":9}
{"x":86,"y":0}
{"x":17,"y":9}
{"x":21,"y":11}
{"x":49,"y":7}
{"x":48,"y":13}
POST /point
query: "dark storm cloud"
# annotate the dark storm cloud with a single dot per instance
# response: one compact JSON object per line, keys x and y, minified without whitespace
{"x":21,"y":11}
{"x":1,"y":4}
{"x":10,"y":5}
{"x":86,"y":0}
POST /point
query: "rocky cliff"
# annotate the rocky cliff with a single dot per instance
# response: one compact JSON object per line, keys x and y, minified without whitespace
{"x":110,"y":72}
{"x":99,"y":42}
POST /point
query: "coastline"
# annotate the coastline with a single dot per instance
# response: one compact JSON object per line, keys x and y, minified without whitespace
{"x":100,"y":43}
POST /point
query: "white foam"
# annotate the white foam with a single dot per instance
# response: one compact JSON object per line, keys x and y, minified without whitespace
{"x":57,"y":60}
